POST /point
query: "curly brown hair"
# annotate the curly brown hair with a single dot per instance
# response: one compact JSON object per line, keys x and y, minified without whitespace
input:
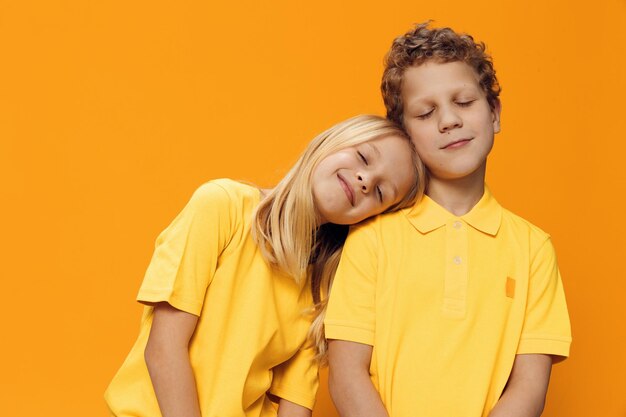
{"x":422,"y":44}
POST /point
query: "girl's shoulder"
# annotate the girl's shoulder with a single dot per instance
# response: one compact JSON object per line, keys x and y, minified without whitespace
{"x":226,"y":192}
{"x":228,"y":187}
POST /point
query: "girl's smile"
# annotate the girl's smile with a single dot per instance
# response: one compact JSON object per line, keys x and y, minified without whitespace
{"x":360,"y":181}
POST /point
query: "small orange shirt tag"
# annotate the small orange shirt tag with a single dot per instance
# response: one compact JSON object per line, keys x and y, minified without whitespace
{"x":510,"y":287}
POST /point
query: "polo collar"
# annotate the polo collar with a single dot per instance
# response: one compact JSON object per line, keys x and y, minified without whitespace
{"x":485,"y":216}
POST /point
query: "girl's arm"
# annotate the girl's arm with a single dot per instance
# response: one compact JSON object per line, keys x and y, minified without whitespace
{"x":349,"y":380}
{"x":525,"y":393}
{"x":289,"y":409}
{"x":167,"y":358}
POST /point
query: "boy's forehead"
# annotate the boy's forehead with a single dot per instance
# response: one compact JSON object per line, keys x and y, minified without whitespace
{"x":433,"y":78}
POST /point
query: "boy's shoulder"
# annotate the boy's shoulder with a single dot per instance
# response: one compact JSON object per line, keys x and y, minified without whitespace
{"x":385,"y":219}
{"x":518,"y":225}
{"x":383,"y":225}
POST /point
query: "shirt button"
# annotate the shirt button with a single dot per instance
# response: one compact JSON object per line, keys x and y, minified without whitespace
{"x":456,"y":224}
{"x":457,"y":260}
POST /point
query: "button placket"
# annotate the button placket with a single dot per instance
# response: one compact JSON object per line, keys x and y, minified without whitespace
{"x":455,"y":286}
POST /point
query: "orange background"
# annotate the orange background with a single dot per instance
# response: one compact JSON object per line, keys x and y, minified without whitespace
{"x":113,"y":112}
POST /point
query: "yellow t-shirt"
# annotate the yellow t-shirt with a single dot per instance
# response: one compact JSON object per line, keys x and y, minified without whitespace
{"x":447,"y":302}
{"x":249,"y":339}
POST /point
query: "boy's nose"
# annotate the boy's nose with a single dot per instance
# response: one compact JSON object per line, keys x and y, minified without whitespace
{"x":449,"y":120}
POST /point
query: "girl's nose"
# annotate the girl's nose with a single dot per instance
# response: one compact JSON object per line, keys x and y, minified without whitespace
{"x":363,"y":182}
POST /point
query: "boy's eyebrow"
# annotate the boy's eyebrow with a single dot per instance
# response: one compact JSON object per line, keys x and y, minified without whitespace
{"x":416,"y":101}
{"x":411,"y":100}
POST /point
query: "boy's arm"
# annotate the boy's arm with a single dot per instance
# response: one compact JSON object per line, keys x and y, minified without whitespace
{"x":546,"y":332}
{"x":525,"y":392}
{"x":349,"y":380}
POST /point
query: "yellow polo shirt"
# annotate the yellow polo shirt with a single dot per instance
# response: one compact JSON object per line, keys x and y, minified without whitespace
{"x":447,"y":302}
{"x":251,"y":329}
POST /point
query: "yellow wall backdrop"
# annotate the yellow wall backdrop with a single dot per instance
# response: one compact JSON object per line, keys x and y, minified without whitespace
{"x":113,"y":112}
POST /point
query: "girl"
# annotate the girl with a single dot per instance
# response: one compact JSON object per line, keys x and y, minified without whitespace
{"x":230,"y":287}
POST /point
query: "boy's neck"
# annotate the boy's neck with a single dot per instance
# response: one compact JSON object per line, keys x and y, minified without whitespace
{"x":457,"y":196}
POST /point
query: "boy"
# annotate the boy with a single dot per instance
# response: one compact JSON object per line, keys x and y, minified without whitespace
{"x":455,"y":307}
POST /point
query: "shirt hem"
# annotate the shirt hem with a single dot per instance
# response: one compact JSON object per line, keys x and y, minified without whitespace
{"x":349,"y":333}
{"x":147,"y":296}
{"x":555,"y":346}
{"x":293,"y":396}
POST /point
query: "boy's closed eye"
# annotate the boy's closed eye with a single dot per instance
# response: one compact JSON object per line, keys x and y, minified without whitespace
{"x":425,"y":114}
{"x":465,"y":103}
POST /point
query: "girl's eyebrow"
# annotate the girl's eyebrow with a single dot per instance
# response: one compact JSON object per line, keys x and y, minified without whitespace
{"x":392,"y":185}
{"x":395,"y":190}
{"x":376,"y":151}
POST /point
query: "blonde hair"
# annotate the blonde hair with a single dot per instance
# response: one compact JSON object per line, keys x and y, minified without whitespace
{"x":285,"y":225}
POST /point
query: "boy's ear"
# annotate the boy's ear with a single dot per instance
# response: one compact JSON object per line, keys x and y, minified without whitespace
{"x":495,"y":116}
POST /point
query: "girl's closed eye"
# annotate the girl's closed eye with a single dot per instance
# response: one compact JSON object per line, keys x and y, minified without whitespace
{"x":379,"y":192}
{"x":363,"y":158}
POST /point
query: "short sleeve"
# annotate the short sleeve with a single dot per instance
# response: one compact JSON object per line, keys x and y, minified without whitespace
{"x":546,"y":327}
{"x":297,"y":379}
{"x":187,"y":251}
{"x":351,"y":312}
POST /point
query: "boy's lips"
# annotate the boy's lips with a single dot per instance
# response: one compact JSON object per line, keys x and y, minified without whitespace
{"x":456,"y":143}
{"x":347,"y":189}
